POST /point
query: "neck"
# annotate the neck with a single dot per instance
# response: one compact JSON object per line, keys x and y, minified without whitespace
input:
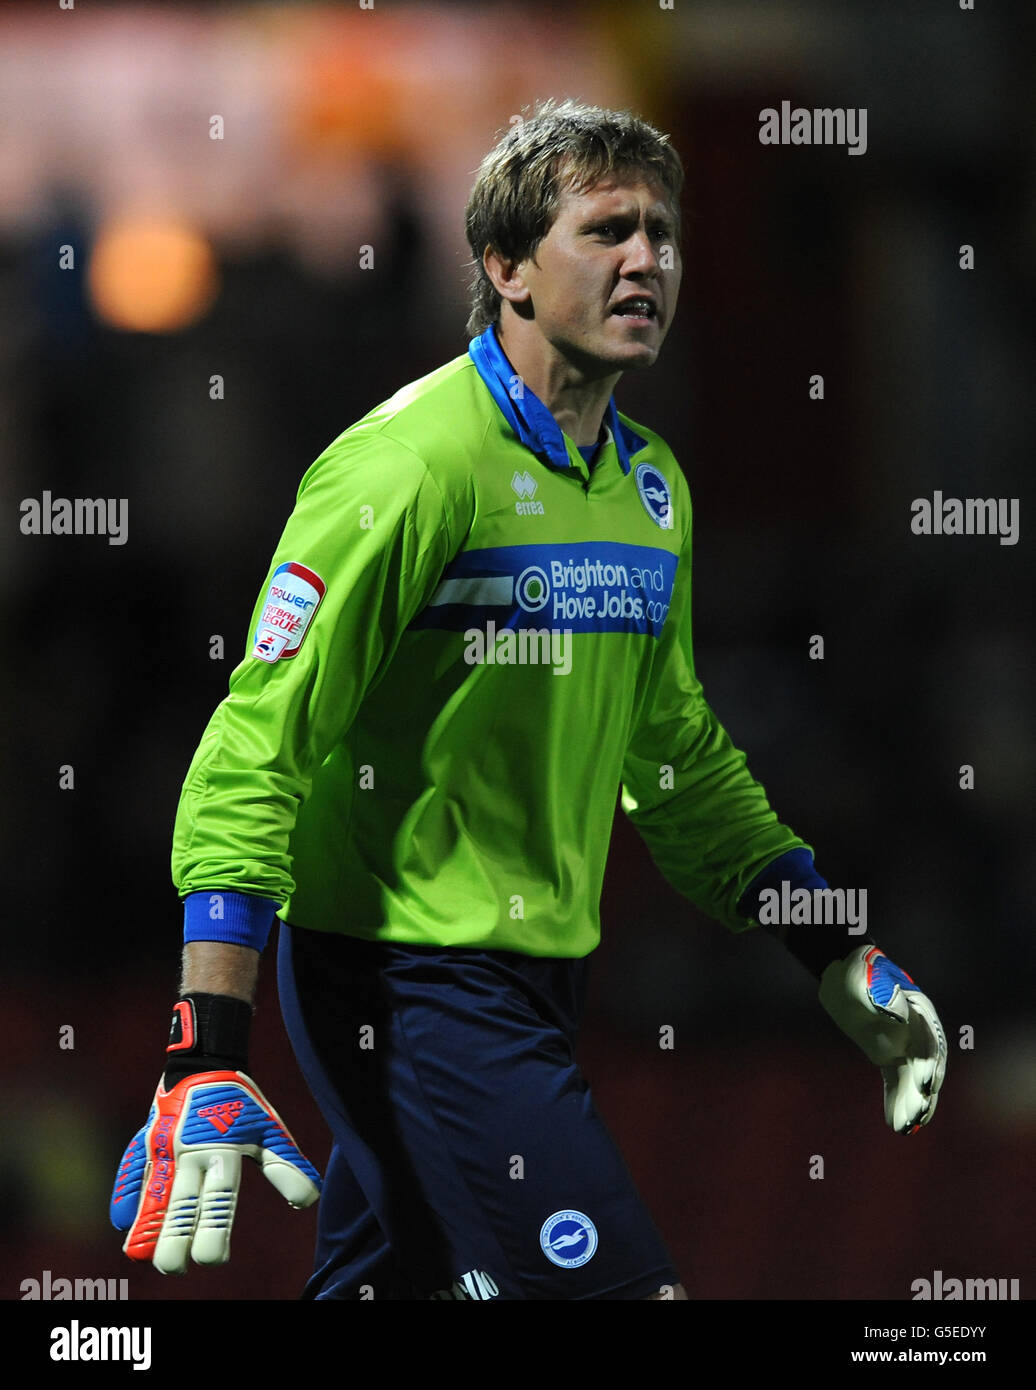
{"x":577,"y":404}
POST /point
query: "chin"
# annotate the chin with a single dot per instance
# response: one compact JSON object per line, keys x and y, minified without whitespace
{"x":602,"y":359}
{"x":639,"y":358}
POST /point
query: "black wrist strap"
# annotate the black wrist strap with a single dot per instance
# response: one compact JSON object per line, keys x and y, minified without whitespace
{"x":209,"y":1032}
{"x":816,"y":945}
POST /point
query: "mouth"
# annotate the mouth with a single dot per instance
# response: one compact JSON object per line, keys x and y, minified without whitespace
{"x":637,"y":311}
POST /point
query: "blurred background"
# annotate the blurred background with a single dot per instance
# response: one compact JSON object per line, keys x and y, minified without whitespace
{"x":239,"y":257}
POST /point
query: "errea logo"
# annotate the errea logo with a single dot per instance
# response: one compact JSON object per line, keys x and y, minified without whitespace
{"x":524,"y":484}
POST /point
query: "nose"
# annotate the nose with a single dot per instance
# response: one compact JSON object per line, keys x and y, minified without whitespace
{"x":641,"y":257}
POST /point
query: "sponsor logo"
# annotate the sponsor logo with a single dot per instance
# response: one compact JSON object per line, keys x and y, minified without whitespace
{"x":586,"y":588}
{"x":292,"y":598}
{"x":593,"y":587}
{"x":532,"y":589}
{"x":654,"y":493}
{"x":525,"y":486}
{"x":582,"y":588}
{"x":223,"y":1115}
{"x":568,"y":1239}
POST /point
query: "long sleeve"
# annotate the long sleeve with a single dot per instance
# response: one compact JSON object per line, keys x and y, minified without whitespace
{"x":706,"y":821}
{"x":367,"y":542}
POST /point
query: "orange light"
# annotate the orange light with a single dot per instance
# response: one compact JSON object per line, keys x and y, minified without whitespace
{"x":151,"y":275}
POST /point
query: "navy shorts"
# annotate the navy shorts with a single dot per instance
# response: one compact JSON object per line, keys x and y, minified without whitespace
{"x":469,"y":1160}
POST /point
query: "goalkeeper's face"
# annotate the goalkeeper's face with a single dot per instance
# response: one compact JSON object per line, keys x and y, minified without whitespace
{"x":607,"y":249}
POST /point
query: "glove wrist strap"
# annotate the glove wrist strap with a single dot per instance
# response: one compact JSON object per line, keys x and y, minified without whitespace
{"x":209,"y":1032}
{"x":817,"y":945}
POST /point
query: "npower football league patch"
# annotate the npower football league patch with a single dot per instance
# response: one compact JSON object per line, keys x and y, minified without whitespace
{"x":291,"y":600}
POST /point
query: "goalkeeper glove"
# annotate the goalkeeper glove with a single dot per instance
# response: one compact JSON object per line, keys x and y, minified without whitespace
{"x":882,"y":1010}
{"x":176,"y":1188}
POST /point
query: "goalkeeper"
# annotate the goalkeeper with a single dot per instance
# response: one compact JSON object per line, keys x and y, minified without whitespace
{"x":475,"y":629}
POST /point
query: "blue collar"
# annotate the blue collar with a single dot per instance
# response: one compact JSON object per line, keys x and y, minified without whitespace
{"x":530,"y":419}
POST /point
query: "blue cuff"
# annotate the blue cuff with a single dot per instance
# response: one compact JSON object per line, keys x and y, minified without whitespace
{"x":795,"y":867}
{"x":240,"y":919}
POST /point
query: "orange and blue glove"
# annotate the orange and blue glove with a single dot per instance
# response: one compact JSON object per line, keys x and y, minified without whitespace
{"x":177,"y":1185}
{"x":878,"y":1005}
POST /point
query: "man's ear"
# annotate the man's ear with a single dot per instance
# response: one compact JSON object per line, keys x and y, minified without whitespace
{"x":506,"y":276}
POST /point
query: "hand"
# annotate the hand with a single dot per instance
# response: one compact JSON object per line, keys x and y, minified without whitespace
{"x":882,"y":1010}
{"x":177,"y":1185}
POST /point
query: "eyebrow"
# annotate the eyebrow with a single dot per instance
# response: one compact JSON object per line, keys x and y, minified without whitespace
{"x":627,"y":215}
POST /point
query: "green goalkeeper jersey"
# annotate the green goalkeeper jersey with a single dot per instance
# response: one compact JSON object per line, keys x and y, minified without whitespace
{"x":468,"y":642}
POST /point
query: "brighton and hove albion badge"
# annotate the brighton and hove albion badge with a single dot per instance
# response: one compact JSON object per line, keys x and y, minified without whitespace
{"x":654,"y":493}
{"x":568,"y":1239}
{"x":291,"y":600}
